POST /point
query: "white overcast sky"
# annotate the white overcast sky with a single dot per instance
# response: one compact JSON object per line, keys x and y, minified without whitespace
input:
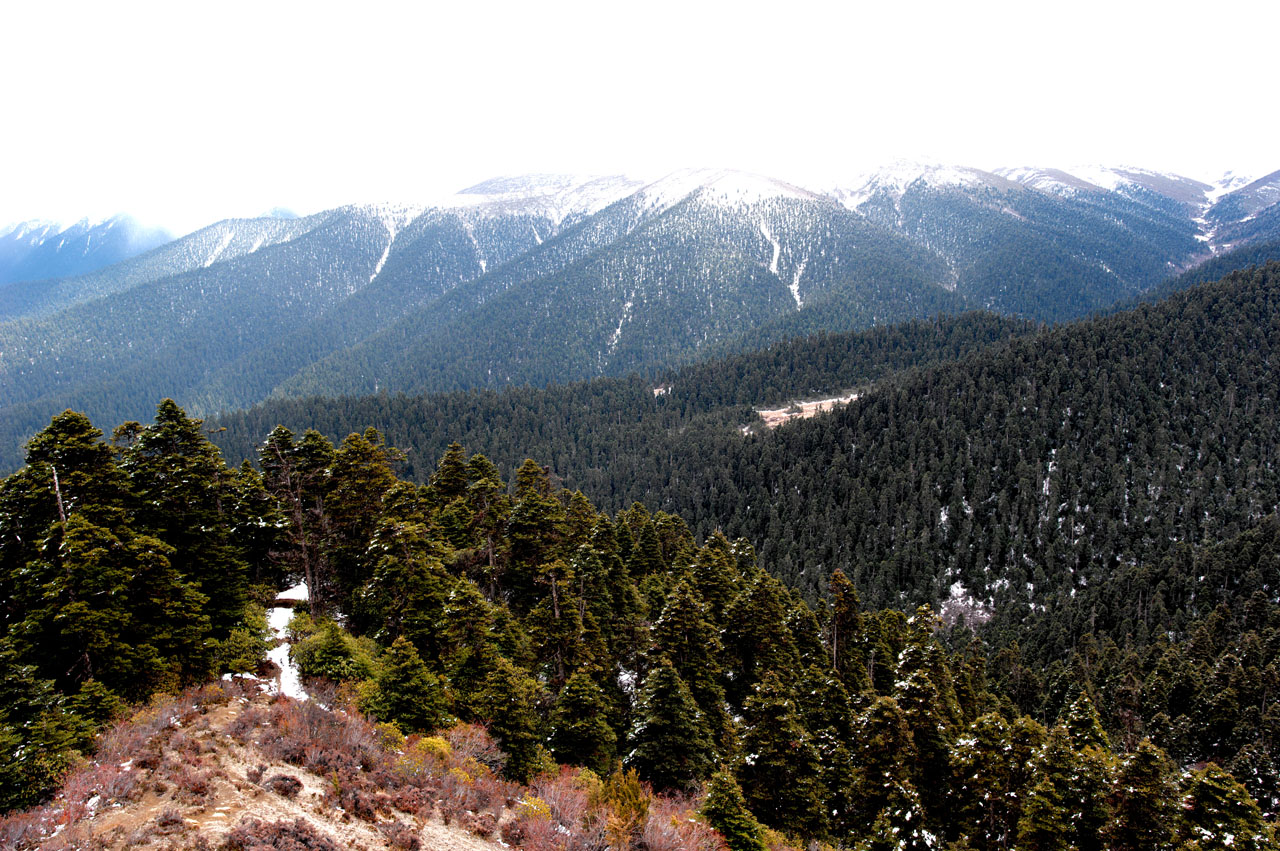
{"x":185,"y":112}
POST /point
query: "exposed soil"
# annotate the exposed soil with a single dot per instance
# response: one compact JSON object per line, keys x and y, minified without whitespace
{"x":210,"y":778}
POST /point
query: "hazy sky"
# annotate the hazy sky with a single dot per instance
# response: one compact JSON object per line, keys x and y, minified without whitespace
{"x":185,"y":112}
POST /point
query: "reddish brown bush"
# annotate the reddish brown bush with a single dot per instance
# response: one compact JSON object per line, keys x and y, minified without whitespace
{"x":191,"y":785}
{"x":671,"y":827}
{"x":243,"y":725}
{"x":298,"y":835}
{"x":472,"y":742}
{"x":413,"y":800}
{"x":481,"y":824}
{"x":284,"y":784}
{"x":401,"y":836}
{"x":25,"y":829}
{"x":170,"y":821}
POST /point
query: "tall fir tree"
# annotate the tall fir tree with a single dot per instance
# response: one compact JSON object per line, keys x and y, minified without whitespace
{"x":781,"y":775}
{"x":408,"y":692}
{"x":670,"y":744}
{"x":725,"y":809}
{"x":580,"y":731}
{"x":508,"y":702}
{"x":183,"y":495}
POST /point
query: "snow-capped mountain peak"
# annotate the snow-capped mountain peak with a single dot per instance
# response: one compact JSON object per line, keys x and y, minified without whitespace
{"x":723,"y":187}
{"x":556,"y":196}
{"x":36,"y":249}
{"x":1052,"y":180}
{"x":897,"y":177}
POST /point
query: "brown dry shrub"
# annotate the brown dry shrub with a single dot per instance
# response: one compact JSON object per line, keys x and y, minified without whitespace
{"x":297,"y":835}
{"x":401,"y":836}
{"x":670,"y":826}
{"x":308,"y":735}
{"x":414,"y":800}
{"x":471,"y":742}
{"x":481,"y":824}
{"x":536,"y":835}
{"x":245,"y":723}
{"x":191,"y":784}
{"x":170,"y":821}
{"x":568,"y":801}
{"x":284,"y":784}
{"x":25,"y":829}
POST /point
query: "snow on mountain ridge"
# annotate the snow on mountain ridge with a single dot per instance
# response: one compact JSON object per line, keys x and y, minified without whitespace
{"x":44,"y":229}
{"x":723,"y":187}
{"x":1052,"y":180}
{"x":897,"y":177}
{"x":558,"y":197}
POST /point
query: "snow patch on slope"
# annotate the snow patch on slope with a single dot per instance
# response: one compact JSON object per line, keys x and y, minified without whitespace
{"x":795,"y":283}
{"x":290,"y":683}
{"x":393,"y":218}
{"x":622,"y":320}
{"x":777,"y":249}
{"x":219,"y":248}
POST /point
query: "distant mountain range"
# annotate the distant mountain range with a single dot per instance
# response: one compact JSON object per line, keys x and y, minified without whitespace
{"x":33,"y":250}
{"x":541,"y":279}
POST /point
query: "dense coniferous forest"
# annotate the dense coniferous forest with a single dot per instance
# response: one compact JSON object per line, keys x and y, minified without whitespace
{"x":1095,"y":498}
{"x":620,"y":641}
{"x":976,"y":454}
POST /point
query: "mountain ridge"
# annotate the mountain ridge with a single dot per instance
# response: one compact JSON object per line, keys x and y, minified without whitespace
{"x":544,"y":278}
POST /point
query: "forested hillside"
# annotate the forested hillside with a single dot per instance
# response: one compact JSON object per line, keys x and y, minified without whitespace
{"x":550,"y":279}
{"x":1023,"y":471}
{"x":597,"y":420}
{"x":615,"y":641}
{"x":1050,"y":486}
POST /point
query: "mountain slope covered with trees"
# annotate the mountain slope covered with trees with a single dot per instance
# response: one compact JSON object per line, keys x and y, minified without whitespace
{"x":618,"y":642}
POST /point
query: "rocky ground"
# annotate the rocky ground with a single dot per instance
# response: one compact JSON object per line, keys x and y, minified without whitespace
{"x":233,"y":767}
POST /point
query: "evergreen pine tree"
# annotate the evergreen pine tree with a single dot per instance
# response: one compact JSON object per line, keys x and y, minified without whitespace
{"x":725,"y":809}
{"x":756,"y":639}
{"x":646,"y":556}
{"x":450,"y":479}
{"x":183,"y":495}
{"x":883,"y":751}
{"x":360,"y":479}
{"x":406,"y":589}
{"x":1218,"y":814}
{"x":580,"y":731}
{"x":781,"y":775}
{"x":1083,"y":724}
{"x":988,"y":781}
{"x":38,"y":739}
{"x":901,"y":824}
{"x":508,"y":702}
{"x":1143,"y":802}
{"x":715,"y":577}
{"x":297,"y":475}
{"x":1044,"y":823}
{"x":670,"y":744}
{"x":470,"y":642}
{"x":684,"y":636}
{"x":408,"y":693}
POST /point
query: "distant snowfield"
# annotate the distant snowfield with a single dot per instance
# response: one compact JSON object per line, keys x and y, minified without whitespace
{"x":774,"y":417}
